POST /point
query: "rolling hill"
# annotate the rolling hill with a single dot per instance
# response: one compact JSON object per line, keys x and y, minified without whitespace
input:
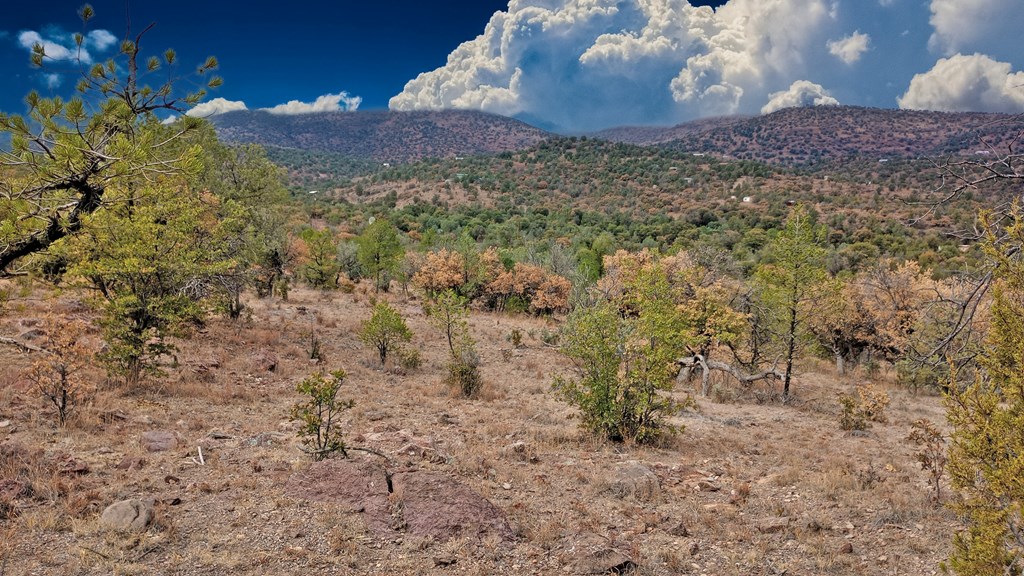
{"x":382,"y":136}
{"x":828,"y":134}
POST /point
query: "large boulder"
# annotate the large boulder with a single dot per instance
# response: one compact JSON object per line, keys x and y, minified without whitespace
{"x":128,"y":516}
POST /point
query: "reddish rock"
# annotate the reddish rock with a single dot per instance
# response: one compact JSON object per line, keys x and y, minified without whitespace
{"x":159,"y":441}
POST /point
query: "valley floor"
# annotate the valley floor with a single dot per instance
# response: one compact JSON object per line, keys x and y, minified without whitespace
{"x":502,"y":484}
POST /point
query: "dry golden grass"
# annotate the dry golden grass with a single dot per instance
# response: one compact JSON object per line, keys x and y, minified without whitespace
{"x":743,"y":462}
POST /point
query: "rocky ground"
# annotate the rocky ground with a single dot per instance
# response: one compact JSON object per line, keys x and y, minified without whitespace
{"x":204,"y":470}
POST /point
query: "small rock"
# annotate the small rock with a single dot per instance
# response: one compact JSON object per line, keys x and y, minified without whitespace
{"x":707,"y":486}
{"x":602,"y":561}
{"x":145,"y":419}
{"x":506,"y":486}
{"x":265,"y":360}
{"x":846,"y":548}
{"x":773,"y":525}
{"x":679,"y":530}
{"x":11,"y":489}
{"x":33,"y":334}
{"x":445,"y":560}
{"x":131,"y":463}
{"x":636,"y":480}
{"x":72,"y":466}
{"x":158,"y":441}
{"x":5,"y":423}
{"x":127,"y":515}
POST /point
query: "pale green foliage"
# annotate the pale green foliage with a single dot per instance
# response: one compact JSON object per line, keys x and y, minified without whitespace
{"x":152,"y":264}
{"x":625,"y":364}
{"x":385,"y":330}
{"x":986,"y":453}
{"x":250,"y":192}
{"x":793,"y":284}
{"x":65,"y":156}
{"x":379,"y":252}
{"x":318,"y":414}
{"x":448,"y":313}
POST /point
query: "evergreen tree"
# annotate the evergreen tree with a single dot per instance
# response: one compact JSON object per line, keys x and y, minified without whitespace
{"x":792,"y":283}
{"x":66,"y":157}
{"x":986,"y":455}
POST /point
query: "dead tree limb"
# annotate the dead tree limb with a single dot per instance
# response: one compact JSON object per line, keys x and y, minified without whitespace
{"x":688,"y":363}
{"x":19,"y":344}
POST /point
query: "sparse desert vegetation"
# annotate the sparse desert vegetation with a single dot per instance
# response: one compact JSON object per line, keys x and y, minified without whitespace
{"x":572,"y":356}
{"x":750,"y":486}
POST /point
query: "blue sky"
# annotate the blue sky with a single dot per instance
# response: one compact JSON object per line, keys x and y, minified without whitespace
{"x":572,"y":65}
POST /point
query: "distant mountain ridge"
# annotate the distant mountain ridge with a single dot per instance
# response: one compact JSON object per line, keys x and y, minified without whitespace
{"x":804,"y":136}
{"x":381,"y":135}
{"x":820,"y":135}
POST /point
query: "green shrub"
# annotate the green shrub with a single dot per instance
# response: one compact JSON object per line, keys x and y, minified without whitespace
{"x":318,"y":414}
{"x":448,"y":312}
{"x":409,"y":358}
{"x":625,"y":365}
{"x":860,"y":410}
{"x":516,"y":337}
{"x":385,"y":330}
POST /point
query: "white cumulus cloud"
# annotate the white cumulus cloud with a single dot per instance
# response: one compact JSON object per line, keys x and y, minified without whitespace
{"x":801,"y":93}
{"x":54,"y":49}
{"x":582,"y":64}
{"x":59,"y":46}
{"x":967,"y":83}
{"x":100,"y":39}
{"x":851,"y":48}
{"x":340,"y":102}
{"x":974,"y":25}
{"x":579,"y":65}
{"x":53,"y":80}
{"x":216,"y":106}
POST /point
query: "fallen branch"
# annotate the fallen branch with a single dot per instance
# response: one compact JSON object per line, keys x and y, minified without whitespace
{"x":344,"y":452}
{"x":706,"y":366}
{"x":19,"y":344}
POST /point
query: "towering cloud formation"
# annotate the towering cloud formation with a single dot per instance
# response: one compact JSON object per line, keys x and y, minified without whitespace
{"x":964,"y":83}
{"x":586,"y":64}
{"x":986,"y":25}
{"x":581,"y":64}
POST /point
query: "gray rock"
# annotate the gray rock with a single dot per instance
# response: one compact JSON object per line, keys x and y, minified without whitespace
{"x":773,"y":525}
{"x":158,"y":441}
{"x":636,"y":480}
{"x":127,"y":515}
{"x":594,"y":554}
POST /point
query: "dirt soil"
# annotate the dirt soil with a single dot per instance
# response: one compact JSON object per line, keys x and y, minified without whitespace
{"x":502,"y":484}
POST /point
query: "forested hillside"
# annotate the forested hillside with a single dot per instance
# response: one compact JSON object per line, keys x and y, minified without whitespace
{"x":381,"y":136}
